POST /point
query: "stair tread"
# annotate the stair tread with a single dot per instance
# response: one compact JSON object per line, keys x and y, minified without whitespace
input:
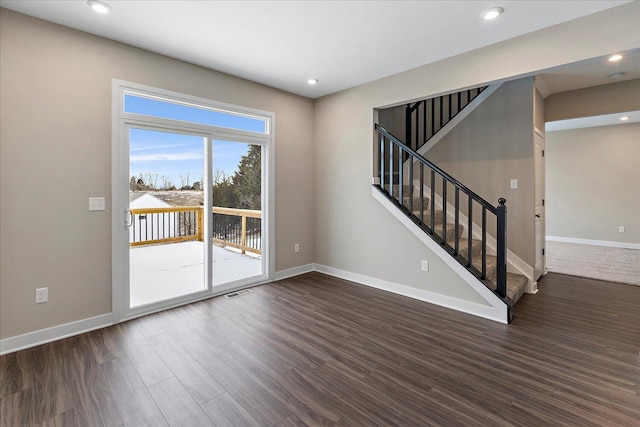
{"x":463,"y":246}
{"x":516,"y":283}
{"x":427,"y":216}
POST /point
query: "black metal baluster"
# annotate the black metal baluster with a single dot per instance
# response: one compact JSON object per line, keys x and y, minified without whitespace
{"x":470,"y":233}
{"x":450,"y":107}
{"x":441,"y":111}
{"x":381,"y":161}
{"x":421,"y":193}
{"x":391,"y":147}
{"x":432,"y":202}
{"x":444,"y":210}
{"x":408,"y":126}
{"x":456,"y":233}
{"x":484,"y":242}
{"x":410,"y":184}
{"x":416,"y":143}
{"x":433,"y":116}
{"x":400,"y":177}
{"x":424,"y":121}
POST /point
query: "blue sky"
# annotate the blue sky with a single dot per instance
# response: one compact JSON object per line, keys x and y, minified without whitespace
{"x":174,"y":156}
{"x":169,"y":156}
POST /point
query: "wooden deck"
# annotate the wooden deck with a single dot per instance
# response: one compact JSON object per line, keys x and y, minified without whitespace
{"x":315,"y":350}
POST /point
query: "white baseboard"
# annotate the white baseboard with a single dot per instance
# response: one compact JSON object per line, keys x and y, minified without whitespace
{"x":495,"y":313}
{"x":606,"y":243}
{"x":295,"y":271}
{"x":54,"y":333}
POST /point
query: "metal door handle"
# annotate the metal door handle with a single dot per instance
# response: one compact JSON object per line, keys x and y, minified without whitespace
{"x":128,"y":218}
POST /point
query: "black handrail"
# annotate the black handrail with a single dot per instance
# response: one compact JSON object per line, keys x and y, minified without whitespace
{"x":435,"y":168}
{"x":403,"y":152}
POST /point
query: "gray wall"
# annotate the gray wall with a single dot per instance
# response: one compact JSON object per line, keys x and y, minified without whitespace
{"x":593,"y":183}
{"x":353,"y":232}
{"x":492,"y":145}
{"x":55,"y":99}
{"x":594,"y":101}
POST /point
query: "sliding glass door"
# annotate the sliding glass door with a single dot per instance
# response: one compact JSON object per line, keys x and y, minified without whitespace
{"x":237,"y":211}
{"x":167,"y":249}
{"x":191,"y":205}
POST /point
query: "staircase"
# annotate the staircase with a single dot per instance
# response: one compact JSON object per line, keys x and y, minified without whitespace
{"x":412,"y":182}
{"x":516,"y":283}
{"x":426,"y":117}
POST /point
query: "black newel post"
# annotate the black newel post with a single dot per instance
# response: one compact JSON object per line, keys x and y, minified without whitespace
{"x":502,"y":247}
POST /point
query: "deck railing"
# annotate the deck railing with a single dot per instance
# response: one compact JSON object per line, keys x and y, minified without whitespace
{"x":237,"y":228}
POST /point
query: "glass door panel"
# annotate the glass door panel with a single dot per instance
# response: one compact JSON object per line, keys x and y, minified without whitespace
{"x":237,"y":211}
{"x":167,"y":220}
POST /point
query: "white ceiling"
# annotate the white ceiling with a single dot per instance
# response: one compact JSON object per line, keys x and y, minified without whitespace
{"x":593,"y":72}
{"x":283,"y":43}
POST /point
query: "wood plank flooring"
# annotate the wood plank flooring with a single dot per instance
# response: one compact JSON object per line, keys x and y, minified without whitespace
{"x":316,"y":350}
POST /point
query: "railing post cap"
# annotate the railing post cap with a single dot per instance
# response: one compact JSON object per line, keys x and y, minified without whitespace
{"x":502,"y":201}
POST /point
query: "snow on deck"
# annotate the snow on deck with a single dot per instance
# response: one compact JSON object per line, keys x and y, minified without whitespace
{"x":159,"y":272}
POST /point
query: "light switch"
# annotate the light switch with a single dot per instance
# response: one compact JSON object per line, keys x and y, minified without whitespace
{"x":514,"y":184}
{"x":96,"y":203}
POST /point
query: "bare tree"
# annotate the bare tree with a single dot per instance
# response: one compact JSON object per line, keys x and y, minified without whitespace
{"x":184,"y":181}
{"x":167,"y":183}
{"x":150,"y":179}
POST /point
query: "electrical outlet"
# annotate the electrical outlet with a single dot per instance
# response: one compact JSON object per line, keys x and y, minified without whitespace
{"x":296,"y":248}
{"x":42,"y":295}
{"x":425,"y":265}
{"x":514,"y":184}
{"x":621,"y":229}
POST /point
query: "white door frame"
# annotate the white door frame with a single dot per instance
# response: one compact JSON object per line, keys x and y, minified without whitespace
{"x":121,"y":123}
{"x":539,"y":267}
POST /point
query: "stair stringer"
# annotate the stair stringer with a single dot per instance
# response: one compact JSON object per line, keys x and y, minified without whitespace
{"x":496,"y":310}
{"x":515,"y":264}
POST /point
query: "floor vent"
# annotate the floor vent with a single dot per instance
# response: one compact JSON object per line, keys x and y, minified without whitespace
{"x":238,"y":293}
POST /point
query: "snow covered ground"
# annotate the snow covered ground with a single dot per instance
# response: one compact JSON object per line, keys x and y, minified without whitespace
{"x":159,"y":272}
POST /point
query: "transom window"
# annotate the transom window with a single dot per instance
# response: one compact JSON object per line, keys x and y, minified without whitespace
{"x":176,"y":110}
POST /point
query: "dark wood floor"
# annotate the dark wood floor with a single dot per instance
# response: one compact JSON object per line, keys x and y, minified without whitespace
{"x":315,"y":350}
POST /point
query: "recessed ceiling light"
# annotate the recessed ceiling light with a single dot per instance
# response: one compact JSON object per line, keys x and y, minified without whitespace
{"x":313,"y":81}
{"x":99,"y":6}
{"x":624,"y":118}
{"x":492,"y":13}
{"x":615,"y":58}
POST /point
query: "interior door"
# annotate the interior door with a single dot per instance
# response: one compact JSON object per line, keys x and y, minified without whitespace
{"x":540,"y":239}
